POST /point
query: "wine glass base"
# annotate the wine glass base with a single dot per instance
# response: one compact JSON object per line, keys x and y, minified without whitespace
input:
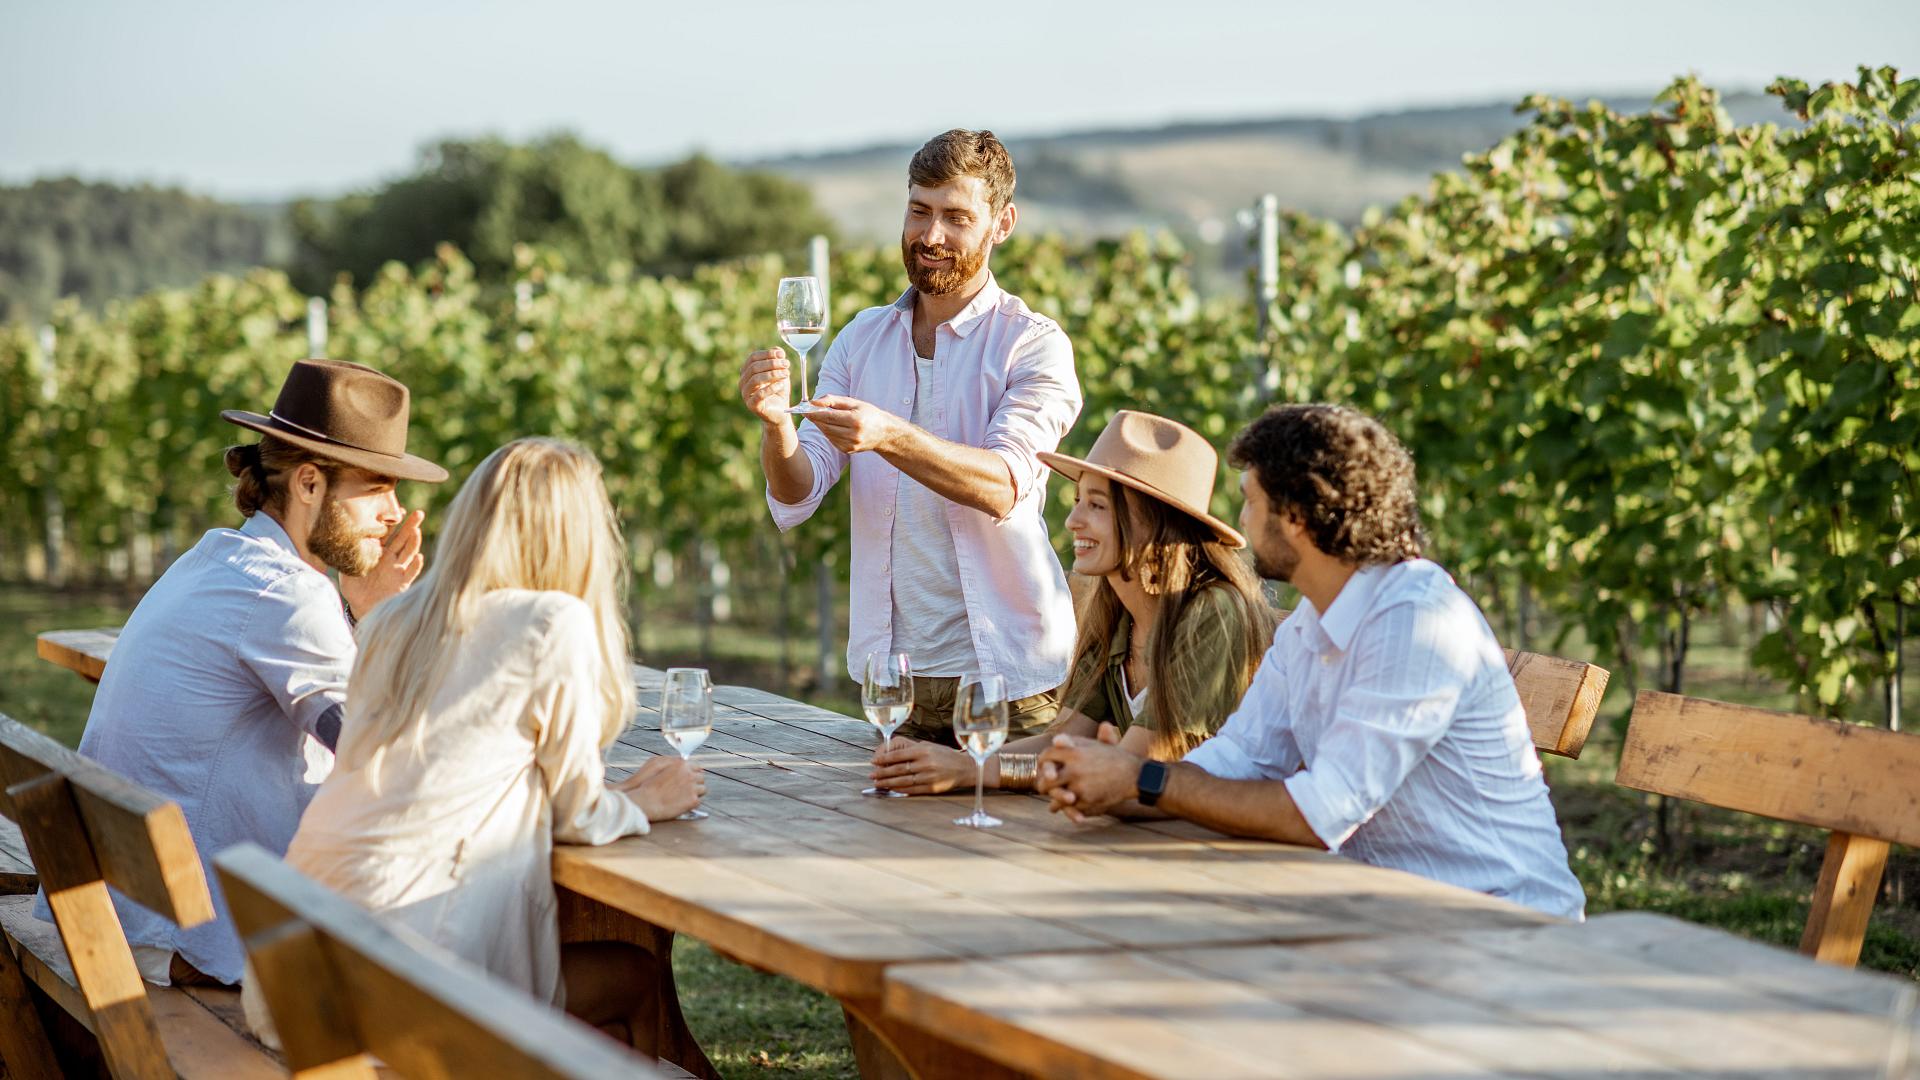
{"x":695,"y":814}
{"x":979,"y":820}
{"x":806,"y":408}
{"x":883,"y":793}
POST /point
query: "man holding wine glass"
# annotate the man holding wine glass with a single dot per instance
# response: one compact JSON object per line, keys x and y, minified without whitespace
{"x":938,"y":405}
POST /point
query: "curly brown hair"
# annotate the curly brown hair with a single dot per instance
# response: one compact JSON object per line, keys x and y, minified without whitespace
{"x":1341,"y":474}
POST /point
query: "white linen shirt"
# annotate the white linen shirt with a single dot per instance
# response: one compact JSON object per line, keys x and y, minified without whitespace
{"x":1395,"y":726}
{"x":1009,"y":388}
{"x":448,"y":831}
{"x":225,"y":695}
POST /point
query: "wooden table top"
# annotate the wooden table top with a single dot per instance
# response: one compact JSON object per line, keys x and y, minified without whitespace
{"x":1624,"y":994}
{"x":797,"y":873}
{"x":84,"y":652}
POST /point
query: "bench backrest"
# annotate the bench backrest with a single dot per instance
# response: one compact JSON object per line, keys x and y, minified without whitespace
{"x":87,"y":828}
{"x":1561,"y":697}
{"x":340,"y":985}
{"x":1861,"y":783}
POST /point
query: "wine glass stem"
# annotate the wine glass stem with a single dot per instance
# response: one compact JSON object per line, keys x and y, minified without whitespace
{"x":979,"y":788}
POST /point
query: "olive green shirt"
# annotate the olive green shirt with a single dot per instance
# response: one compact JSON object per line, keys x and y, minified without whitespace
{"x":1210,"y":668}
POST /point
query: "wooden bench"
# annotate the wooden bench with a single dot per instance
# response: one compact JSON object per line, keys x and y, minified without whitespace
{"x":1861,"y":783}
{"x":87,"y":828}
{"x":1560,"y":696}
{"x":341,"y":986}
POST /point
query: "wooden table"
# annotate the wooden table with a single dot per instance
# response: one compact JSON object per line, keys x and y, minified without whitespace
{"x":1624,"y":994}
{"x":83,"y":652}
{"x":798,"y":874}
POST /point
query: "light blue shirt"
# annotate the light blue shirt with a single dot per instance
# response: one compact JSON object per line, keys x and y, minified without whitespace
{"x":1395,"y":725}
{"x":224,"y":694}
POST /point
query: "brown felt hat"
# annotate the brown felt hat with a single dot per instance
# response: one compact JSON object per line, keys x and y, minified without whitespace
{"x":1161,"y":457}
{"x":346,"y":412}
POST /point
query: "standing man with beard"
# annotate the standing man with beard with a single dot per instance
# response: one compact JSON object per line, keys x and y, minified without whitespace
{"x":225,"y":688}
{"x":1383,"y":723}
{"x":941,"y":404}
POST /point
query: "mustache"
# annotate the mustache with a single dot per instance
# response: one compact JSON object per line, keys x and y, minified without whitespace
{"x":918,"y":248}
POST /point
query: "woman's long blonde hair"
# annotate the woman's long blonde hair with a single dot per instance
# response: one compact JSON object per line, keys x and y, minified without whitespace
{"x":534,"y":515}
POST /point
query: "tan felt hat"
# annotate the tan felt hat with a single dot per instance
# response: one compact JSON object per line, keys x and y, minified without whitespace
{"x":1164,"y":458}
{"x":345,"y":412}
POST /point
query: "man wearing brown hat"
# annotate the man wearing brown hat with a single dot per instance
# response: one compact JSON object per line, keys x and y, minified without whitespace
{"x":225,"y":689}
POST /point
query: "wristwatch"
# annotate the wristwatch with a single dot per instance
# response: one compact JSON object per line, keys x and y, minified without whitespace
{"x":1153,"y":782}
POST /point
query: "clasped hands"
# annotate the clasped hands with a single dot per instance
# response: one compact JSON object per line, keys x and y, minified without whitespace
{"x":1084,"y":778}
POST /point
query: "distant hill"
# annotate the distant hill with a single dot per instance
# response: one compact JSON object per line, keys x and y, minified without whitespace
{"x":66,"y":237}
{"x":1194,"y":176}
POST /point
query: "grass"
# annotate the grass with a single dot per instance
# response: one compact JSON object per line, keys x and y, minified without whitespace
{"x":1741,"y":873}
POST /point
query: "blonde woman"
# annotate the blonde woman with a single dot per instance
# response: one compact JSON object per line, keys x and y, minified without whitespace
{"x":476,"y":714}
{"x":1171,"y":630}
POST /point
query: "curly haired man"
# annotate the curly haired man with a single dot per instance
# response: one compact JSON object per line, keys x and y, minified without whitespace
{"x":1382,"y":723}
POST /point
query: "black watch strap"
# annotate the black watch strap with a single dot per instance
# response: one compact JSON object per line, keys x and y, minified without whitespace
{"x":1153,"y":782}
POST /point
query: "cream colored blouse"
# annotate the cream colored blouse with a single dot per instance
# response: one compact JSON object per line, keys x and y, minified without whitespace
{"x":450,"y":835}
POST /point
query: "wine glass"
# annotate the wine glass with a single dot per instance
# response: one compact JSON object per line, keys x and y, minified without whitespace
{"x":686,"y":716}
{"x":887,"y":696}
{"x":980,"y":723}
{"x":800,"y":313}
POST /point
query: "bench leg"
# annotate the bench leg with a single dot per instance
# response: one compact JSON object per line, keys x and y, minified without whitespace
{"x":1843,"y":901}
{"x":586,"y":920}
{"x":886,"y":1049}
{"x":24,"y":1048}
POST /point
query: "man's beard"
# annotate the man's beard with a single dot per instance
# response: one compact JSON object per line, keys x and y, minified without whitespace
{"x":937,"y":281}
{"x":1278,"y":564}
{"x":334,"y":541}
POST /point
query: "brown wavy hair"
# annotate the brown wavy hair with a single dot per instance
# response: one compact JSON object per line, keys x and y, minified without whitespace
{"x":260,"y":473}
{"x":1339,"y":473}
{"x":1176,"y":557}
{"x":953,"y":154}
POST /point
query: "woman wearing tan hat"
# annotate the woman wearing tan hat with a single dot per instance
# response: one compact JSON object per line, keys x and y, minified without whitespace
{"x":1173,"y":628}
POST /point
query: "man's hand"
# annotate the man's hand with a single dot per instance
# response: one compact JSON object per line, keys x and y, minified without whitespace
{"x":1086,"y":777}
{"x":765,"y":386}
{"x":665,"y":787}
{"x":400,"y":563}
{"x":853,"y":425}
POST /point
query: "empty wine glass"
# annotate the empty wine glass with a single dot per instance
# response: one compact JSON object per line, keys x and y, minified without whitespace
{"x":980,"y":723}
{"x":686,"y":716}
{"x":887,"y":695}
{"x":800,"y":314}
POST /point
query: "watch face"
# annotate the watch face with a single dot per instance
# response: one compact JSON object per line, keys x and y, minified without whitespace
{"x":1152,"y":782}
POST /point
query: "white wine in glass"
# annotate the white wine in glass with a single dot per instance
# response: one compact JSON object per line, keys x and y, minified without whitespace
{"x":800,"y":314}
{"x":887,"y":695}
{"x":980,"y":725}
{"x":686,"y":716}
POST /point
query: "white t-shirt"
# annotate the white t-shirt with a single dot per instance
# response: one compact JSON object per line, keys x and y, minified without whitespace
{"x":929,"y":610}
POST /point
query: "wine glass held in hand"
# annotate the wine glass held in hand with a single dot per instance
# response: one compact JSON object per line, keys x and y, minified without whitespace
{"x":686,"y":716}
{"x":800,"y":314}
{"x":887,"y":695}
{"x":980,"y":724}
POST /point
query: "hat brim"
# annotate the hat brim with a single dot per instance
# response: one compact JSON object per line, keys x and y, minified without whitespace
{"x":1072,"y":468}
{"x":404,"y":467}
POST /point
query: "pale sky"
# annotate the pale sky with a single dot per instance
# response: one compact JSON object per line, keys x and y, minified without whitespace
{"x":266,"y":99}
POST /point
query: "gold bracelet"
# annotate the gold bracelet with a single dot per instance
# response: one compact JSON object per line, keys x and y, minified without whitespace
{"x":1018,"y":771}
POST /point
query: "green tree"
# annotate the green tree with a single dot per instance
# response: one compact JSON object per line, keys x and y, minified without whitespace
{"x":577,"y":204}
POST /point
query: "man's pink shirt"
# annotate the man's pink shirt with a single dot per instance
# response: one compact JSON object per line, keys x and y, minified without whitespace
{"x":1011,"y":389}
